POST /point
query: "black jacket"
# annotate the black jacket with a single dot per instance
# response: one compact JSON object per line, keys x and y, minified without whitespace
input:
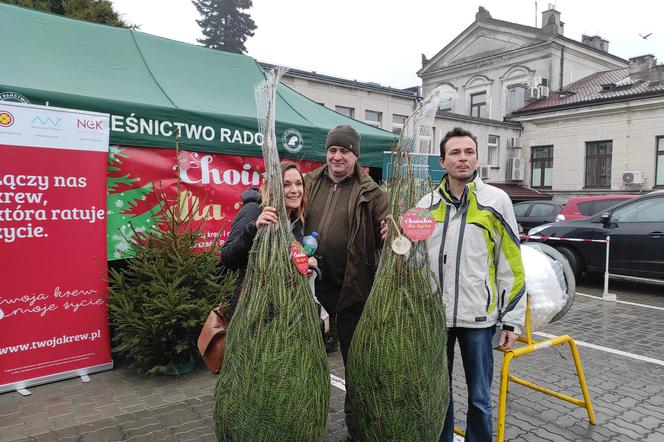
{"x":235,"y":251}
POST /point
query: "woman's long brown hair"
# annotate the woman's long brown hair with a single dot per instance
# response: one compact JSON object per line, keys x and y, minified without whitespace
{"x":299,"y":212}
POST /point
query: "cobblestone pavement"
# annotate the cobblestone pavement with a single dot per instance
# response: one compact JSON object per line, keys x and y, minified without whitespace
{"x":626,"y":388}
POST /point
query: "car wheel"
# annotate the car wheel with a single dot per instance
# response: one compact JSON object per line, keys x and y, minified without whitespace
{"x":573,"y":258}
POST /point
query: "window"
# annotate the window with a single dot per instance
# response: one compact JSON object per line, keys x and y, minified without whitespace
{"x":372,"y":117}
{"x":521,"y":209}
{"x":427,"y":140}
{"x":433,"y":145}
{"x":347,"y":111}
{"x":659,"y":180}
{"x":602,"y":205}
{"x":446,"y":98}
{"x":516,"y":97}
{"x":598,"y":163}
{"x":649,"y":210}
{"x":585,"y":208}
{"x":397,"y":123}
{"x":541,"y":160}
{"x":478,"y":104}
{"x":445,"y":104}
{"x":542,"y":210}
{"x":493,"y":145}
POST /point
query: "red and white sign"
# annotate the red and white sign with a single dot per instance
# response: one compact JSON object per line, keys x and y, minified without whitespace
{"x":53,"y":293}
{"x":418,"y":224}
{"x":210,"y":185}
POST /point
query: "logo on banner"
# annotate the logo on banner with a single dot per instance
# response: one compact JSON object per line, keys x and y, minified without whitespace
{"x":14,"y":97}
{"x":83,"y":123}
{"x":6,"y":118}
{"x":292,"y":140}
{"x":46,"y":122}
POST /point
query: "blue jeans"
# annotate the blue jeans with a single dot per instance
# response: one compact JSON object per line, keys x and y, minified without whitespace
{"x":477,"y":357}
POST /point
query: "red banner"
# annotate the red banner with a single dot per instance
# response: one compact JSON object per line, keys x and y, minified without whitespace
{"x":210,"y":185}
{"x":53,"y":314}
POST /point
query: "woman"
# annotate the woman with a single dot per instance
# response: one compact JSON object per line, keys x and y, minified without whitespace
{"x":252,"y":216}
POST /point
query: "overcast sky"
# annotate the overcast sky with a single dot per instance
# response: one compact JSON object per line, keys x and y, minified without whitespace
{"x":382,"y":40}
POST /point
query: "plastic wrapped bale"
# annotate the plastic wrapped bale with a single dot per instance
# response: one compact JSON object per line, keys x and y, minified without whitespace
{"x":550,"y":283}
{"x":397,"y":376}
{"x":274,"y":384}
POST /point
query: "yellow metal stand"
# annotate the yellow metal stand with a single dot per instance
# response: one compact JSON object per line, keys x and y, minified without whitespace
{"x":531,"y":346}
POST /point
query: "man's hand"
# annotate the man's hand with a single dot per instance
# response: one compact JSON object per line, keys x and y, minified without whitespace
{"x":383,"y":229}
{"x":507,"y":340}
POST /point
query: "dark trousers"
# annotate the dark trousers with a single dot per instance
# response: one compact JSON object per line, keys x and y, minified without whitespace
{"x":346,"y":325}
{"x":477,"y":357}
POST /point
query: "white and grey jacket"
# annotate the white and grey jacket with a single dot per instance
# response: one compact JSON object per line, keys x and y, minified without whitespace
{"x":475,"y":256}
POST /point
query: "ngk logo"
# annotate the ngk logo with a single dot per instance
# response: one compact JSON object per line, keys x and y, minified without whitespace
{"x":88,"y":124}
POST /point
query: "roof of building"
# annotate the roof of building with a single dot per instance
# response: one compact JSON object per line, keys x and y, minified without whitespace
{"x":519,"y":193}
{"x":477,"y":120}
{"x":543,"y":34}
{"x":599,"y":88}
{"x":410,"y":93}
{"x":160,"y":84}
{"x":540,"y":34}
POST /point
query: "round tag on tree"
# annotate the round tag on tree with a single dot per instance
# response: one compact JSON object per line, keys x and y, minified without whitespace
{"x":418,"y":224}
{"x":300,"y":257}
{"x":401,"y":245}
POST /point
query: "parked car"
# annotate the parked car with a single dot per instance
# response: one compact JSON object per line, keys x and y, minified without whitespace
{"x":586,"y":206}
{"x":636,"y":228}
{"x":530,"y":214}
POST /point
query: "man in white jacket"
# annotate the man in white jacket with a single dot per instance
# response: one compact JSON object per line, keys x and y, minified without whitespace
{"x":476,"y":261}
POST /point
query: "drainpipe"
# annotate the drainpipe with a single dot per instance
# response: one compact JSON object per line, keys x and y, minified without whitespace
{"x":562,"y":66}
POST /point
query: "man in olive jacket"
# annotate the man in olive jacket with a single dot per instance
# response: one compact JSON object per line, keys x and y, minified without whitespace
{"x":345,"y":207}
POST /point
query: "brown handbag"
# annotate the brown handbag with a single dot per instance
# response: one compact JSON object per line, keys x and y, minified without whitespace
{"x":212,"y":340}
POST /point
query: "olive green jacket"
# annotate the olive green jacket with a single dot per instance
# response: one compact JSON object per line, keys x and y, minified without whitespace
{"x":368,"y":207}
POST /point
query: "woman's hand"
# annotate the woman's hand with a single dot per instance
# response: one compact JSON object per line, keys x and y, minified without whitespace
{"x":267,"y":216}
{"x":313,"y":262}
{"x":383,"y":229}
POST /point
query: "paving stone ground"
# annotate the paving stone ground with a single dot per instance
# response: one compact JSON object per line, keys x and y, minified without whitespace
{"x":627,"y":393}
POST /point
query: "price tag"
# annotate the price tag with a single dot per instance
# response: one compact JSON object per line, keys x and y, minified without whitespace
{"x":418,"y":224}
{"x":300,"y":257}
{"x":401,"y":245}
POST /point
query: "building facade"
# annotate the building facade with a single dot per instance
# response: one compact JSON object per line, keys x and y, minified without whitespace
{"x":602,"y":134}
{"x":494,"y":68}
{"x":380,"y":106}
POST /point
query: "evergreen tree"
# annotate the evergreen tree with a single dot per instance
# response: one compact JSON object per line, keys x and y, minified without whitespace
{"x":160,"y":299}
{"x":224,"y":25}
{"x":98,"y":11}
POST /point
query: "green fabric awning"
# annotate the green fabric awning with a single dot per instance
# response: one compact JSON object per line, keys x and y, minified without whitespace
{"x":151,"y":85}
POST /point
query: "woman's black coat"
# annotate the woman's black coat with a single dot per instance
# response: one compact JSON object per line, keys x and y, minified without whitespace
{"x":235,"y":251}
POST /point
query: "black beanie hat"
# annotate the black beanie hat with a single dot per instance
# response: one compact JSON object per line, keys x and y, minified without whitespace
{"x":344,"y":136}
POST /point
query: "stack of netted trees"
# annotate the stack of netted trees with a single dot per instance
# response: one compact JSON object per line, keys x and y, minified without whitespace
{"x":397,"y":373}
{"x":274,"y":384}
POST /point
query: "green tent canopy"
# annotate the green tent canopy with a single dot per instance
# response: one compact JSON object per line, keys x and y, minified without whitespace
{"x":151,"y":85}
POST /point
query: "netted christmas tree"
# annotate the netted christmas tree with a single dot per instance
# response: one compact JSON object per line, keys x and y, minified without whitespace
{"x":274,"y":384}
{"x":397,"y":370}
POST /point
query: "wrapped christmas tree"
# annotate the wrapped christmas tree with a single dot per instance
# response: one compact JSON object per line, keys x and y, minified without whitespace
{"x":397,"y":372}
{"x":274,"y":384}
